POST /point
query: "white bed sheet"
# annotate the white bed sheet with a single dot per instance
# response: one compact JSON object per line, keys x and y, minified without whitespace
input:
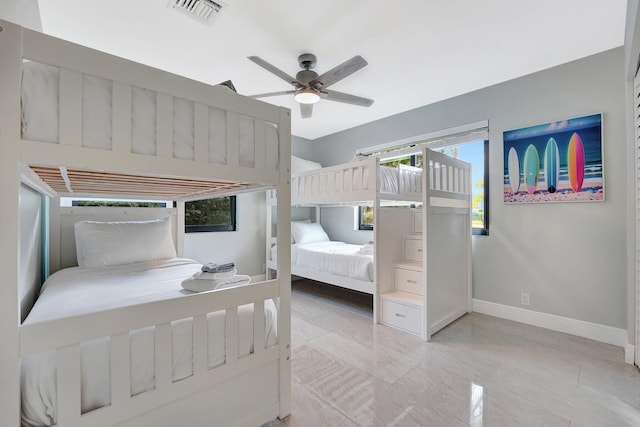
{"x":40,"y":96}
{"x":76,"y":291}
{"x":339,"y":258}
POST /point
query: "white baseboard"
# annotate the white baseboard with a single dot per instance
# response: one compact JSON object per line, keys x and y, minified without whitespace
{"x":629,"y":354}
{"x":594,"y":331}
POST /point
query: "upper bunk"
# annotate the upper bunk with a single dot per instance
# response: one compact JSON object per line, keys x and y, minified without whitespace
{"x":360,"y":182}
{"x":85,"y":123}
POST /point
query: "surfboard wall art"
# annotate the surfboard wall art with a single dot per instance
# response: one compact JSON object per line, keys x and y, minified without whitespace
{"x":514,"y":170}
{"x":555,"y":162}
{"x":551,"y":165}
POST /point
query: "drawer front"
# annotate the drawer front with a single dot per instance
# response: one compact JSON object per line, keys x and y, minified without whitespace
{"x":417,"y":222}
{"x":401,"y":316}
{"x":408,"y":281}
{"x":413,"y":250}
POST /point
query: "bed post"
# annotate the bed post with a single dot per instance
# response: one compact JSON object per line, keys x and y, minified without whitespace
{"x":376,"y":233}
{"x":10,"y":70}
{"x":284,"y":261}
{"x":179,"y":236}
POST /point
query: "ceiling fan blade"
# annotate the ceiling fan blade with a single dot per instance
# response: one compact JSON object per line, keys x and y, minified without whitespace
{"x":306,"y":110}
{"x":339,"y":72}
{"x":264,"y":95}
{"x":332,"y":95}
{"x":278,"y":72}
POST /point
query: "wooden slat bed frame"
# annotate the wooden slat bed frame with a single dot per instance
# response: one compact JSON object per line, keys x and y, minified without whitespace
{"x":247,"y":391}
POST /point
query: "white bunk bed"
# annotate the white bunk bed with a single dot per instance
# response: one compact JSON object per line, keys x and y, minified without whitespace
{"x":424,"y":267}
{"x":440,"y":288}
{"x":233,"y":144}
{"x":361,"y":182}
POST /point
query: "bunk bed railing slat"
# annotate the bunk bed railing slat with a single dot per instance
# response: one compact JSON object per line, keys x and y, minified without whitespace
{"x":201,"y":133}
{"x":258,"y":327}
{"x":231,"y":335}
{"x":200,"y":344}
{"x":260,"y":144}
{"x":121,"y":116}
{"x":120,"y":368}
{"x":233,"y":139}
{"x":163,"y":355}
{"x":164,"y":126}
{"x":70,"y":109}
{"x":68,"y":385}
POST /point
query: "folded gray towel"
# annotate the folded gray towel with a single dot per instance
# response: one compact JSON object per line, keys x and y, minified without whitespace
{"x":217,"y":268}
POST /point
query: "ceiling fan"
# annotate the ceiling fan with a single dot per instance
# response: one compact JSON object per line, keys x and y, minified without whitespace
{"x":310,"y":87}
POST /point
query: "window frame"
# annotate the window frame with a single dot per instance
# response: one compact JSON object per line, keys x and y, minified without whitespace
{"x":484,"y":231}
{"x":361,"y":225}
{"x":475,"y":231}
{"x":209,"y":228}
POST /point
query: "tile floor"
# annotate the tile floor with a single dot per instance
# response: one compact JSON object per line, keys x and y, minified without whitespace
{"x":479,"y":371}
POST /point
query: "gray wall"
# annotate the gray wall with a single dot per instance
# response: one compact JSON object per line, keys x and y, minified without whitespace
{"x":301,"y":147}
{"x":571,"y":258}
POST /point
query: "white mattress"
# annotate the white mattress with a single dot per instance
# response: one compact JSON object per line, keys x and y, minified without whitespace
{"x":76,"y":291}
{"x":339,"y":258}
{"x":40,"y":98}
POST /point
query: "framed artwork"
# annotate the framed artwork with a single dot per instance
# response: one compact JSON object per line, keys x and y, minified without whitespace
{"x":555,"y":162}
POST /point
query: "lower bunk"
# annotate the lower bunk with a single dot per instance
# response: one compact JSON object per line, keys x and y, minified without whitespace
{"x":119,"y":341}
{"x":315,"y":257}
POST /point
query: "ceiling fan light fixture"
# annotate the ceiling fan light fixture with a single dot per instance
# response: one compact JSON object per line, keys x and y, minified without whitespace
{"x":307,"y":95}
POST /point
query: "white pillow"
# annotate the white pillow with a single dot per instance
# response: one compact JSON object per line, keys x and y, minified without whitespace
{"x":308,"y":233}
{"x":100,"y":244}
{"x":301,"y":165}
{"x":306,"y":221}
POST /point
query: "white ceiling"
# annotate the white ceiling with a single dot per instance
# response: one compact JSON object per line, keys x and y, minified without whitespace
{"x":419,"y":51}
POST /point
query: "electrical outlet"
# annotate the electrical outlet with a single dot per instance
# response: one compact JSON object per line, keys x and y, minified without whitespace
{"x":524,"y":298}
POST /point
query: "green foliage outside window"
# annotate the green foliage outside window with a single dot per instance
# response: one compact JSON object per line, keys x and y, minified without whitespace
{"x":217,"y":214}
{"x":119,"y":203}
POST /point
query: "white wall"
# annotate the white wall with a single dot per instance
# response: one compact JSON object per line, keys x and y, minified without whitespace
{"x":22,"y":12}
{"x":571,"y":258}
{"x":245,"y":247}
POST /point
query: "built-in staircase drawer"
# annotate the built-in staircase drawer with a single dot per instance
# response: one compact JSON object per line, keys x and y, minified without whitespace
{"x":413,"y":250}
{"x":401,"y":316}
{"x":408,"y":281}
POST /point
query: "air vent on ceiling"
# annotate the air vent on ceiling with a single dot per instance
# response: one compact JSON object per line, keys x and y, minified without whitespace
{"x":203,"y":10}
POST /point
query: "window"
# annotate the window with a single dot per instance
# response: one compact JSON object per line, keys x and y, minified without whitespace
{"x":217,"y":214}
{"x":476,"y":153}
{"x":468,"y":143}
{"x":365,"y":218}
